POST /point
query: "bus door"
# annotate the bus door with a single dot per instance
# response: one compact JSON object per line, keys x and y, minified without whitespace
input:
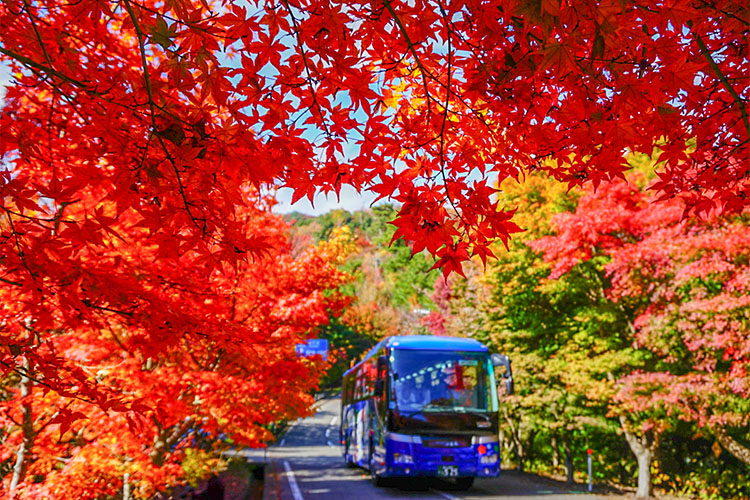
{"x":379,"y":408}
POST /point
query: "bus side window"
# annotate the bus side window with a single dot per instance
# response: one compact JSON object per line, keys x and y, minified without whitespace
{"x":360,"y":389}
{"x":381,"y":375}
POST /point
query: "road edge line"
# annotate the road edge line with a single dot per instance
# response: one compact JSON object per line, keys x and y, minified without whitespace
{"x":296,"y":493}
{"x":445,"y":495}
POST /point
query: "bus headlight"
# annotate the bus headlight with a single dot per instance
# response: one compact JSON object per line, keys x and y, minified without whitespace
{"x":488,"y":459}
{"x":402,"y":458}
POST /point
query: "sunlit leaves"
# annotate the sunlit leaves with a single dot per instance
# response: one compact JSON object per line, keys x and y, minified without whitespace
{"x":136,"y":135}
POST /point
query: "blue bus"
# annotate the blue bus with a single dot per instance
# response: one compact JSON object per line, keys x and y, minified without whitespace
{"x":423,"y":406}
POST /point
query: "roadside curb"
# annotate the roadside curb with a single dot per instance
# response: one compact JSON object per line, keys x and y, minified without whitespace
{"x":272,"y":483}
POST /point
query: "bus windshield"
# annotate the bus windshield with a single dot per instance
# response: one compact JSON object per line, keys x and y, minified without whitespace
{"x":434,"y":381}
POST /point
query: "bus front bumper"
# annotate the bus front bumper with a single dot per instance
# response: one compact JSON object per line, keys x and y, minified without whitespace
{"x":407,"y":456}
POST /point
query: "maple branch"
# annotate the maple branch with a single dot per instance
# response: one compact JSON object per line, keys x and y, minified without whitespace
{"x":217,"y":359}
{"x":24,"y":451}
{"x":730,"y":444}
{"x":726,"y":13}
{"x":9,"y":416}
{"x":10,"y":282}
{"x":15,"y":369}
{"x":164,"y":441}
{"x":36,"y":33}
{"x":152,"y":105}
{"x":179,"y":431}
{"x":50,"y":420}
{"x":18,"y":244}
{"x":413,"y":51}
{"x":38,"y":220}
{"x":307,"y":68}
{"x":189,"y":24}
{"x":88,"y":303}
{"x":445,"y":118}
{"x":68,"y":98}
{"x":424,"y":71}
{"x":33,"y":64}
{"x":723,"y":79}
{"x":118,"y":341}
{"x":195,"y":360}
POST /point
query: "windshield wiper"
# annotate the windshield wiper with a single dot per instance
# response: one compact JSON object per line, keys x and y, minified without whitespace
{"x":425,"y":409}
{"x":409,"y":414}
{"x":466,"y":409}
{"x":429,"y":408}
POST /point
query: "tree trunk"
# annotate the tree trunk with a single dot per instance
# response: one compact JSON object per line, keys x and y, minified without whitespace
{"x":164,"y":440}
{"x":644,"y":473}
{"x":19,"y":469}
{"x":519,"y":465}
{"x":530,"y":446}
{"x":568,"y":461}
{"x":643,"y":448}
{"x":740,"y":452}
{"x":515,"y":436}
{"x":555,"y":452}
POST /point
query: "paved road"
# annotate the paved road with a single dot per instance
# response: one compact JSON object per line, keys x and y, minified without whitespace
{"x":307,"y":465}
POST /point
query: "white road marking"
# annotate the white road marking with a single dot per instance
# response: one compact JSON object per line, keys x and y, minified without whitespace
{"x":446,"y":495}
{"x":328,"y":433}
{"x":333,"y":421}
{"x":296,"y":493}
{"x":288,"y":431}
{"x":332,"y":445}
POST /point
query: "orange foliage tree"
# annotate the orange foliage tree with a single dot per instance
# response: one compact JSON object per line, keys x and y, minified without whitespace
{"x":158,"y":353}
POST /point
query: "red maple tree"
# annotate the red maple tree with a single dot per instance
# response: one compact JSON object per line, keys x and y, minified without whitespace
{"x":136,"y":135}
{"x":125,"y":357}
{"x":170,"y":107}
{"x":685,"y":284}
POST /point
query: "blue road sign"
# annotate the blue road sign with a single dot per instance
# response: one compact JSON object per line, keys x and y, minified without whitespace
{"x":313,"y":347}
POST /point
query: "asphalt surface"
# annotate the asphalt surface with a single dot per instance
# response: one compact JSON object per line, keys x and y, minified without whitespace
{"x":307,"y":464}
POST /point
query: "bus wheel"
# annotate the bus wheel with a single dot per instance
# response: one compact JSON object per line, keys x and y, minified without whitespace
{"x":464,"y":483}
{"x":348,"y":459}
{"x":377,"y":481}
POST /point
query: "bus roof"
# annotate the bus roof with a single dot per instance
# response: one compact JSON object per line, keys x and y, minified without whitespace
{"x":424,"y":342}
{"x":435,"y":343}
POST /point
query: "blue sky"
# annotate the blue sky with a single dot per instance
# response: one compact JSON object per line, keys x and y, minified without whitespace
{"x":349,"y":200}
{"x":4,"y":80}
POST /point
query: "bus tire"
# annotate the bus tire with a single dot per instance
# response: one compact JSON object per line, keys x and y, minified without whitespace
{"x":377,"y":481}
{"x":348,"y":459}
{"x":464,"y":483}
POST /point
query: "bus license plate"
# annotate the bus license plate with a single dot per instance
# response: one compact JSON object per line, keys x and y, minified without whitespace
{"x":447,"y":471}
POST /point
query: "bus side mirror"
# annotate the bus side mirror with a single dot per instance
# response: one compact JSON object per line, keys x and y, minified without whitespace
{"x":379,"y":387}
{"x":500,"y":360}
{"x":503,"y":360}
